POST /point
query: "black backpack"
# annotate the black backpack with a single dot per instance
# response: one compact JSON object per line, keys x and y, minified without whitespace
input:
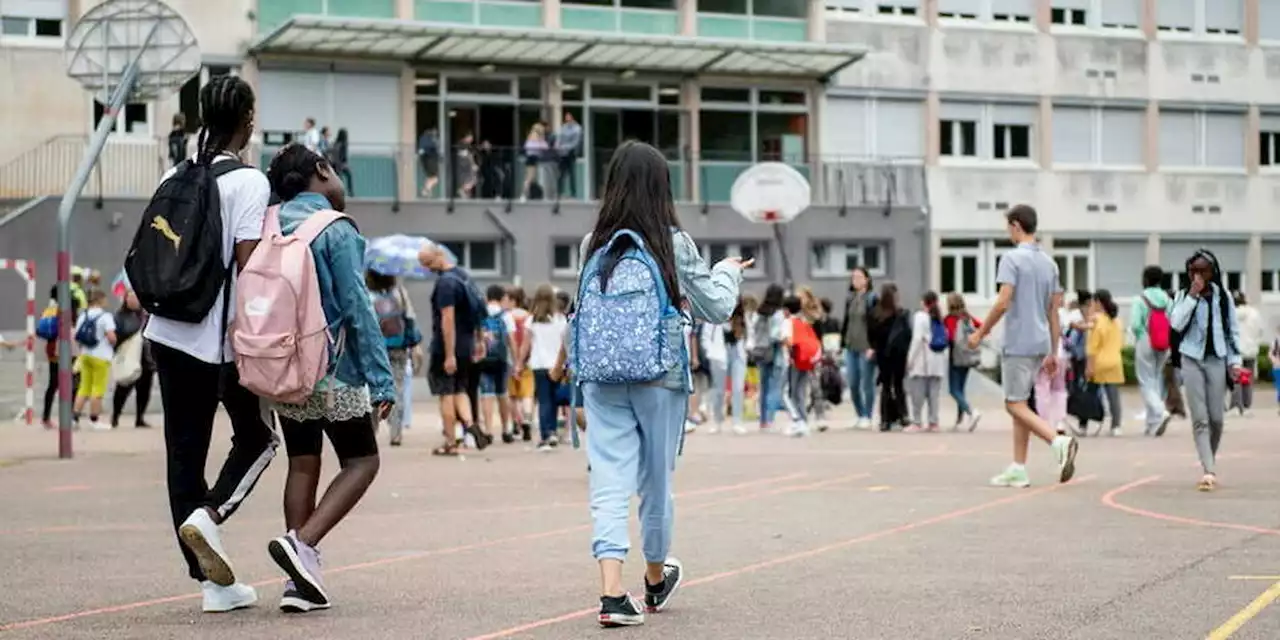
{"x":175,"y":263}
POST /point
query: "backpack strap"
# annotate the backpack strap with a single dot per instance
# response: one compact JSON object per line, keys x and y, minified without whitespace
{"x":312,"y":227}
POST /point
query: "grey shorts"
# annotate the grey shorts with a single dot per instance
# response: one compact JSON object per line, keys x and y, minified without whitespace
{"x":1018,"y":376}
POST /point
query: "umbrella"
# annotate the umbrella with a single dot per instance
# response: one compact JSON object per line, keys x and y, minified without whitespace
{"x":398,"y":256}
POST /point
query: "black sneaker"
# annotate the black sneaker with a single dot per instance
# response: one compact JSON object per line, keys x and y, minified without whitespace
{"x":294,"y":602}
{"x":526,"y":432}
{"x":657,"y":597}
{"x":508,"y":437}
{"x":482,"y":439}
{"x":623,"y":611}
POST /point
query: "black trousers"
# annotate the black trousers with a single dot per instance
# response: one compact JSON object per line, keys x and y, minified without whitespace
{"x":142,"y":388}
{"x":566,"y":166}
{"x":51,"y":389}
{"x":893,"y":395}
{"x":189,"y":389}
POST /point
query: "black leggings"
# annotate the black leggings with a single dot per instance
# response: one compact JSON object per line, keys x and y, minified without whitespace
{"x":143,"y":387}
{"x":51,"y":389}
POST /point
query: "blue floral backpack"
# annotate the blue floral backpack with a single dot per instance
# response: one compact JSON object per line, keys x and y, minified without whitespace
{"x":631,"y":331}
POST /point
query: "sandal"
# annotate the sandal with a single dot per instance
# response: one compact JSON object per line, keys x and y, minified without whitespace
{"x":1207,"y":483}
{"x":445,"y":450}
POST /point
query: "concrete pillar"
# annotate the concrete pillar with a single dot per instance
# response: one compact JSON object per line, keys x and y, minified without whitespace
{"x":1045,"y":128}
{"x":817,"y":21}
{"x":1251,"y":15}
{"x":404,"y":9}
{"x":551,"y":14}
{"x":406,"y":167}
{"x":1151,"y":154}
{"x":1044,"y":15}
{"x":691,"y":102}
{"x":930,"y":9}
{"x":1253,"y":270}
{"x":932,"y":128}
{"x":1153,"y":249}
{"x":553,"y":98}
{"x":935,"y":255}
{"x":813,"y":136}
{"x":1252,"y":142}
{"x":688,"y":17}
{"x":1149,"y":19}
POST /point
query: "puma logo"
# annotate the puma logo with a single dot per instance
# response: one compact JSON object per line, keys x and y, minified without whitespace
{"x":162,"y":225}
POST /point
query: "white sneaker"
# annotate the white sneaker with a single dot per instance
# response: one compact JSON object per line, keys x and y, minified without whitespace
{"x":739,"y":430}
{"x":862,"y":423}
{"x":97,"y":425}
{"x":973,"y":420}
{"x":713,"y":429}
{"x":798,"y":430}
{"x":690,"y":426}
{"x":218,"y":599}
{"x":200,"y":534}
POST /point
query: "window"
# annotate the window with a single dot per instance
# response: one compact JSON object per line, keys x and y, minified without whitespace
{"x":1269,"y":141}
{"x":1011,"y":141}
{"x":1201,"y":139}
{"x":135,"y":120}
{"x":1074,"y":260}
{"x":737,"y":7}
{"x":1098,"y":136}
{"x":630,"y":4}
{"x":1074,"y":17}
{"x":1097,"y":14}
{"x":839,"y":259}
{"x":959,"y":138}
{"x":987,"y":131}
{"x":1011,"y":11}
{"x":897,"y":7}
{"x":958,"y":267}
{"x":969,"y":267}
{"x":30,"y":27}
{"x":1271,"y":281}
{"x":564,"y":259}
{"x":1215,"y":17}
{"x":960,"y":9}
{"x":1234,"y":280}
{"x":715,"y":252}
{"x":1269,"y":19}
{"x":479,"y":257}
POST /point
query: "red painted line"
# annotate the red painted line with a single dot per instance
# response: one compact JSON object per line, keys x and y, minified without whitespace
{"x":27,"y":624}
{"x":1109,"y":499}
{"x":816,"y":551}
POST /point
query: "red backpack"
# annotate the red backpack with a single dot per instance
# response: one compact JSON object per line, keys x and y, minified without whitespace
{"x":805,"y":345}
{"x":1158,"y":327}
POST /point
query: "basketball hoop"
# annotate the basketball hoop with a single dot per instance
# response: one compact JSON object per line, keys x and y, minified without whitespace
{"x":120,"y":51}
{"x":770,"y":192}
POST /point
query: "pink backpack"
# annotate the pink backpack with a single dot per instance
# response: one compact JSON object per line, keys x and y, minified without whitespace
{"x":280,"y":336}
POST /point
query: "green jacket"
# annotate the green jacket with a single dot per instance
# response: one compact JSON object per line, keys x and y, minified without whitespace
{"x":1138,"y":317}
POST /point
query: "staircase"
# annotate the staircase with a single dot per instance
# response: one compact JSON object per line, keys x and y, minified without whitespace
{"x":128,"y":167}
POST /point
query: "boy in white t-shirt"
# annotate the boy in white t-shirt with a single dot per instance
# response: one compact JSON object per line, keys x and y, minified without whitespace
{"x":95,"y":336}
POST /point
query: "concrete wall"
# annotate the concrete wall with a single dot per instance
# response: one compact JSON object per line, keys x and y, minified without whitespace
{"x":101,"y":238}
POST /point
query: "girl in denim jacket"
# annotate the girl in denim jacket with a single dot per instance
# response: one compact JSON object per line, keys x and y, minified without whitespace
{"x":358,"y":390}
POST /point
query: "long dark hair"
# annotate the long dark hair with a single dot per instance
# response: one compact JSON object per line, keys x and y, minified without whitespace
{"x":226,"y":107}
{"x":738,"y":321}
{"x":1107,"y":303}
{"x":774,"y":296}
{"x":930,"y":300}
{"x":637,"y":197}
{"x":887,"y":305}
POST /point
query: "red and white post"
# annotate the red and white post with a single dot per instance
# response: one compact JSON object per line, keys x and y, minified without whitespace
{"x":27,"y":269}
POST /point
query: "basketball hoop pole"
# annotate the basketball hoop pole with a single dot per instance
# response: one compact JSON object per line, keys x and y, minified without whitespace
{"x":99,"y":139}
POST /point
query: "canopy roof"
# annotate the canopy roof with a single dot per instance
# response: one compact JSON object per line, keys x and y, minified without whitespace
{"x":415,"y":41}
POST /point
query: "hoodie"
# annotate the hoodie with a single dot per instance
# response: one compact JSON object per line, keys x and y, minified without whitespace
{"x":1151,"y":296}
{"x":1192,"y":316}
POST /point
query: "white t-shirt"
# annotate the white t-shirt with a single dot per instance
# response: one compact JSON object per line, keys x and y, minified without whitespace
{"x":244,"y":196}
{"x":106,"y":322}
{"x":547,"y":338}
{"x":311,"y":139}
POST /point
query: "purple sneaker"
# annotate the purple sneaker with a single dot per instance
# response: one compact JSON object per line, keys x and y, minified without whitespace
{"x":302,"y":564}
{"x":293,"y":602}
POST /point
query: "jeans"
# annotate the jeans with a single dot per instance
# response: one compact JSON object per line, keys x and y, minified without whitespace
{"x":1148,"y":364}
{"x":715,"y":395}
{"x":797,"y":397}
{"x":737,"y":366}
{"x":957,"y":378}
{"x":632,"y":447}
{"x":395,"y":420}
{"x":861,"y":372}
{"x":544,"y":390}
{"x":1206,"y":386}
{"x":770,"y":392}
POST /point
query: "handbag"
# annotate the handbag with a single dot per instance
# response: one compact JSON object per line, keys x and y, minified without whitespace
{"x":126,"y":364}
{"x":1084,"y":403}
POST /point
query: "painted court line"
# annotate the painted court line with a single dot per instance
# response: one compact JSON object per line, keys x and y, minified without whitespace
{"x":1231,"y":626}
{"x":1110,"y":499}
{"x":27,"y":624}
{"x":817,"y":551}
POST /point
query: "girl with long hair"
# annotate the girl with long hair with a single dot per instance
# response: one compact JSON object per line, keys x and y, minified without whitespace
{"x":960,"y":325}
{"x":734,"y":339}
{"x":636,"y":430}
{"x":766,"y":352}
{"x":927,"y":362}
{"x":520,"y":388}
{"x":1105,"y":366}
{"x":358,"y":390}
{"x":130,"y":320}
{"x":544,"y":329}
{"x":889,"y":333}
{"x":860,"y":361}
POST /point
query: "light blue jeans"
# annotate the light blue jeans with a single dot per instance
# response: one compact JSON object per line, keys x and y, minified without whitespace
{"x":632,"y":447}
{"x":737,"y":370}
{"x":770,"y":391}
{"x":861,"y":373}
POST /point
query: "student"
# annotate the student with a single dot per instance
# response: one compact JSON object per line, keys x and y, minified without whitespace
{"x":636,"y":428}
{"x":1275,"y":357}
{"x":766,"y":353}
{"x":889,"y":333}
{"x":1251,"y":337}
{"x":860,"y":361}
{"x":1030,"y":295}
{"x":499,"y":331}
{"x":95,"y":335}
{"x":1204,"y":315}
{"x":804,"y":351}
{"x":398,"y":325}
{"x":1150,"y":352}
{"x":178,"y":140}
{"x":49,"y":319}
{"x":735,"y":342}
{"x":357,"y":391}
{"x":196,"y":366}
{"x":129,"y":320}
{"x":960,"y":325}
{"x":715,"y":351}
{"x":1105,"y":368}
{"x":520,"y":387}
{"x":545,"y":328}
{"x":927,"y":362}
{"x":456,"y":311}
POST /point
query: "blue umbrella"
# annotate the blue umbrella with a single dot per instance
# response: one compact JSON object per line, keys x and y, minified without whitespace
{"x":397,"y":256}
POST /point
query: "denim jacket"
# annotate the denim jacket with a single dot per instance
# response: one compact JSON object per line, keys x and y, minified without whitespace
{"x":1192,"y":326}
{"x":339,"y":253}
{"x":711,"y":292}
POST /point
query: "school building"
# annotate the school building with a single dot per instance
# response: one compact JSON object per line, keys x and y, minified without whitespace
{"x":716,"y":85}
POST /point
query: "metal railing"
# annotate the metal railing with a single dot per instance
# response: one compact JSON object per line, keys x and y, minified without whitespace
{"x":127,"y":167}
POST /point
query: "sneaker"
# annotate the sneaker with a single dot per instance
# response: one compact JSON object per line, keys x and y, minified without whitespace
{"x":914,"y":428}
{"x":545,"y":445}
{"x":508,"y":437}
{"x":221,"y":599}
{"x":739,"y":430}
{"x":302,"y":563}
{"x":1064,"y":452}
{"x":200,"y":534}
{"x":622,"y":611}
{"x":293,"y":602}
{"x":713,"y":429}
{"x":95,"y":425}
{"x":973,"y":420}
{"x":526,"y":432}
{"x":1116,"y":432}
{"x":862,"y":424}
{"x":690,"y":426}
{"x":1013,"y":476}
{"x":658,"y":596}
{"x":933,"y":428}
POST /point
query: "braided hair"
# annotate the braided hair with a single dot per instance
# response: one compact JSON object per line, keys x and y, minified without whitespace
{"x":292,"y":169}
{"x":226,"y":103}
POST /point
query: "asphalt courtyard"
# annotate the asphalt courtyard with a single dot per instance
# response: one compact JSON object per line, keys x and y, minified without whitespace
{"x":842,"y":535}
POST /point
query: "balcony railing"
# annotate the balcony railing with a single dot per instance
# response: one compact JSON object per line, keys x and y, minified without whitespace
{"x":132,"y":168}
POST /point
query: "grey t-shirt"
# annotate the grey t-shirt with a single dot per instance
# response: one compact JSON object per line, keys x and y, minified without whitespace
{"x":1034,"y":277}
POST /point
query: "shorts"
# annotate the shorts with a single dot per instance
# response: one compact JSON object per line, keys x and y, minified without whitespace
{"x":94,"y":375}
{"x":1018,"y":376}
{"x":521,"y":386}
{"x":430,"y":165}
{"x":493,"y":382}
{"x":354,"y":438}
{"x":463,"y":381}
